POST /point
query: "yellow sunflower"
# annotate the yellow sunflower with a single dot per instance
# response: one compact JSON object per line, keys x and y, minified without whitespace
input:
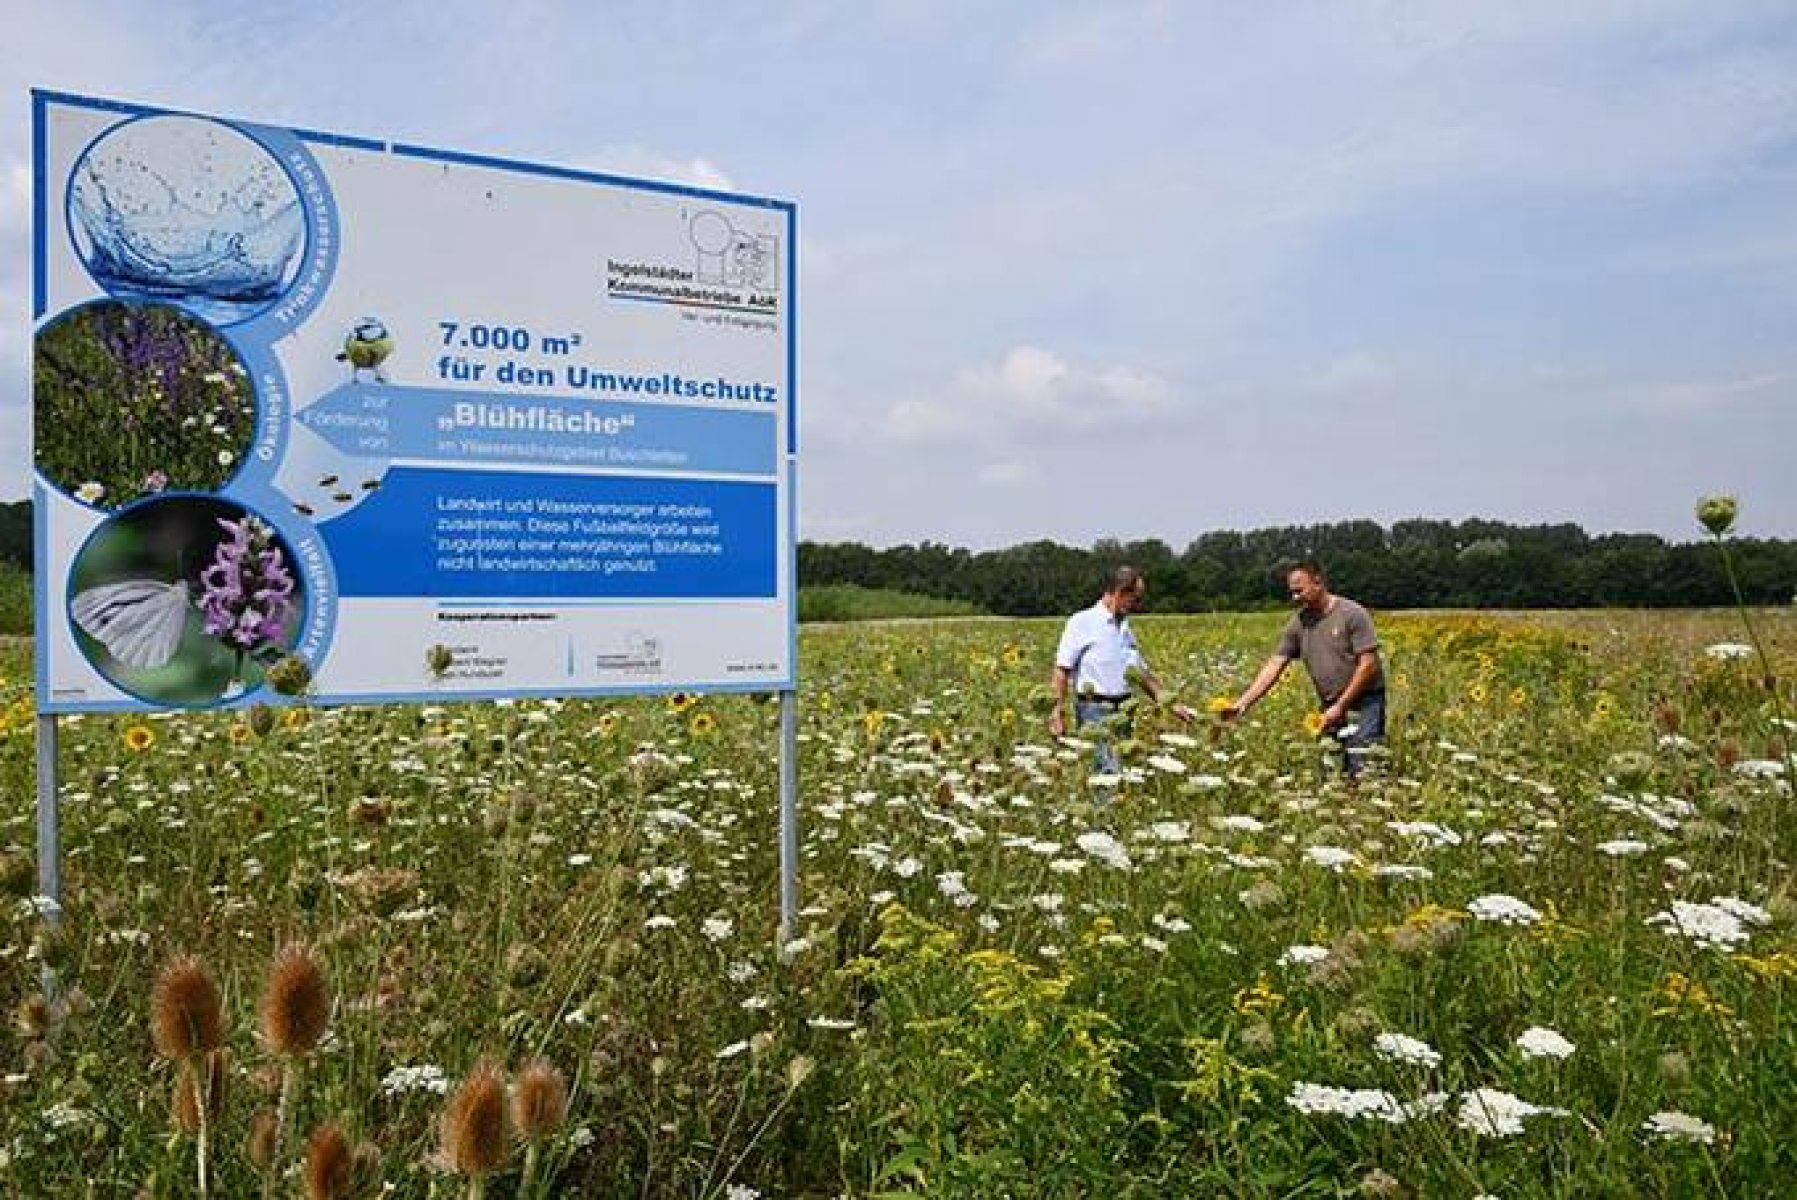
{"x":138,"y":738}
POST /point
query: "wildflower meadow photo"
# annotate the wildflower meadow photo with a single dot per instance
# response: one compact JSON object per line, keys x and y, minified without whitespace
{"x":1019,"y":601}
{"x":134,"y":399}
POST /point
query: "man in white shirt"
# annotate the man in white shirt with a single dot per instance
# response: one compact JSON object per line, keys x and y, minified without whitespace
{"x":1097,"y":652}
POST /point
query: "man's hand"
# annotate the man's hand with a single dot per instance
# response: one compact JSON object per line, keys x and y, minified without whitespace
{"x":1333,"y":716}
{"x":1231,"y":712}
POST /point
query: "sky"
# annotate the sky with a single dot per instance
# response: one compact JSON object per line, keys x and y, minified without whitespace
{"x":1131,"y":269}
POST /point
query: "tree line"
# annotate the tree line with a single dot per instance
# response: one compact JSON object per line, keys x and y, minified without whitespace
{"x":1417,"y":563}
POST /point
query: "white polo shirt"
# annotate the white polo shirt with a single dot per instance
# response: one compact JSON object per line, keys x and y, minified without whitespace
{"x":1098,"y":651}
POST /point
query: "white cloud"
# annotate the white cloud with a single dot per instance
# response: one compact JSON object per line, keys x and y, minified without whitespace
{"x":1700,"y":394}
{"x":1033,"y":390}
{"x":640,"y":162}
{"x":1009,"y":474}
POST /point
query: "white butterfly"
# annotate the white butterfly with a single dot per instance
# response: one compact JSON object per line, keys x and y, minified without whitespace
{"x":140,"y":621}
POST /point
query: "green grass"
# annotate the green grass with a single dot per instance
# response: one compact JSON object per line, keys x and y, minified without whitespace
{"x":847,"y":602}
{"x":15,"y":601}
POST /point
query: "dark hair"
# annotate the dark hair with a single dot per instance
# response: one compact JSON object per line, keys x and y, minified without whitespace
{"x":1310,"y":567}
{"x":1123,"y":579}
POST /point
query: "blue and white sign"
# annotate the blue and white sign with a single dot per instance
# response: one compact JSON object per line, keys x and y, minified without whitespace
{"x":441,"y":425}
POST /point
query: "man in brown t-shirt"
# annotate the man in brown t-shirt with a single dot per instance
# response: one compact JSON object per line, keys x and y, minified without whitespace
{"x":1335,"y":639}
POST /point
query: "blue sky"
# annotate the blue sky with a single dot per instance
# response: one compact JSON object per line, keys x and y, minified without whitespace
{"x":1129,"y":270}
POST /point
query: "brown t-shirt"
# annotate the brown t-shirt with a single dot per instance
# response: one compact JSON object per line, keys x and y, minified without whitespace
{"x":1329,"y":642}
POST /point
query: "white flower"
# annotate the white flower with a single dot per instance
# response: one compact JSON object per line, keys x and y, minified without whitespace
{"x":1332,"y":857}
{"x":1239,"y":823}
{"x":1371,"y":1104}
{"x":1753,"y":914}
{"x":660,"y":921}
{"x":1493,"y":1113}
{"x":732,"y":1050}
{"x":741,"y":972}
{"x":90,"y":492}
{"x":1708,"y":925}
{"x":1504,"y":910}
{"x":1171,"y":924}
{"x":579,"y":860}
{"x":1301,"y":956}
{"x":716,"y":929}
{"x":664,"y":879}
{"x":226,"y":458}
{"x":1759,"y":768}
{"x":742,"y":1191}
{"x":1396,"y":1047}
{"x":1180,"y":740}
{"x":1167,"y":763}
{"x":1104,"y":848}
{"x":1437,"y":835}
{"x":830,"y":1023}
{"x":425,"y":1078}
{"x":1727,"y":651}
{"x":906,"y":867}
{"x":1539,"y":1042}
{"x":952,"y":884}
{"x":1679,"y":1127}
{"x":1622,"y":848}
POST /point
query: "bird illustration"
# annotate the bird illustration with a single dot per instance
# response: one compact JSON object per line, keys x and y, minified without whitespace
{"x":366,"y":348}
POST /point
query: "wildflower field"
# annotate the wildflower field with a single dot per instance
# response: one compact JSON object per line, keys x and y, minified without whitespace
{"x":1544,"y":948}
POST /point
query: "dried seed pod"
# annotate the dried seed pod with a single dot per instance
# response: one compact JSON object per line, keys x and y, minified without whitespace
{"x":186,"y":1018}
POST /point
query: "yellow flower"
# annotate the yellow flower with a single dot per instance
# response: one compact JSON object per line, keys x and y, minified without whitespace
{"x":1519,"y":697}
{"x":679,"y":702}
{"x":702,"y":724}
{"x":1013,"y":657}
{"x":294,"y":718}
{"x":1261,"y":998}
{"x":871,"y":720}
{"x":139,"y":738}
{"x":1313,"y":723}
{"x":1683,"y":995}
{"x":1217,"y":704}
{"x":1476,"y":693}
{"x":241,"y":733}
{"x":607,"y":723}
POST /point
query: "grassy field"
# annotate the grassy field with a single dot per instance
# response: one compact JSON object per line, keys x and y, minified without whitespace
{"x":1545,"y":949}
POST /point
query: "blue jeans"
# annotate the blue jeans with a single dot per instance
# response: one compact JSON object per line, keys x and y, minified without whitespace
{"x":1367,"y":718}
{"x":1099,"y":712}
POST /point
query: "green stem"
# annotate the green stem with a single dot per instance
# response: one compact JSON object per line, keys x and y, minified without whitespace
{"x":1769,"y":677}
{"x":283,"y":1109}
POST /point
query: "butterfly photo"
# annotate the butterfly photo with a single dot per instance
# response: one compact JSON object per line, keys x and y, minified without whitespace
{"x":184,"y":600}
{"x":139,"y":621}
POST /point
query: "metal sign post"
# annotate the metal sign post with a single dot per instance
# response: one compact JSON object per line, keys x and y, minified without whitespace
{"x":49,"y":841}
{"x":789,"y":816}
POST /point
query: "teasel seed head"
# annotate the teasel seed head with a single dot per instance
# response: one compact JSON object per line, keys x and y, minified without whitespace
{"x":262,"y":720}
{"x":289,"y":675}
{"x":186,"y":1018}
{"x":539,"y":1101}
{"x":296,"y":1006}
{"x":330,"y":1163}
{"x":261,"y":1146}
{"x":474,"y":1126}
